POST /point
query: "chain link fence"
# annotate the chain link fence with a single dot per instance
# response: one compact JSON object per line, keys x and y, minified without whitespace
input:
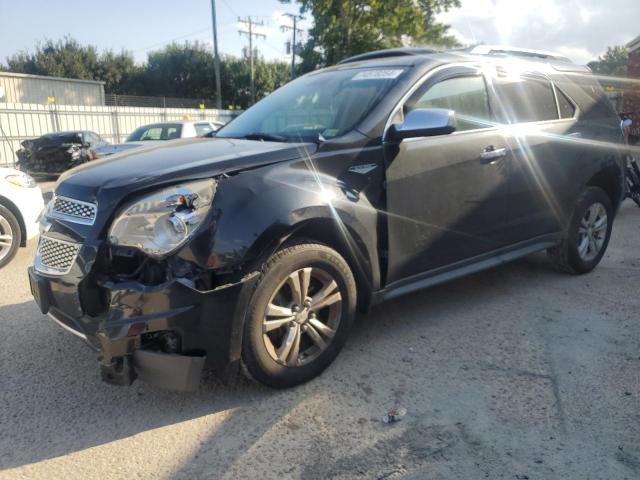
{"x":112,"y":99}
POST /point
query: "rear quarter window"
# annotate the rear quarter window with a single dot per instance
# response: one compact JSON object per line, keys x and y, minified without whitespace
{"x":524,"y":99}
{"x":203,"y":129}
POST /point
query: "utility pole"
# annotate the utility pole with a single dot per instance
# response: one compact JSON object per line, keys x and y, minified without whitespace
{"x":216,"y":57}
{"x":295,"y":18}
{"x":250,"y":33}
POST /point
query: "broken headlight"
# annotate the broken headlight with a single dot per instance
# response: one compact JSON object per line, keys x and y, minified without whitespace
{"x":161,"y":222}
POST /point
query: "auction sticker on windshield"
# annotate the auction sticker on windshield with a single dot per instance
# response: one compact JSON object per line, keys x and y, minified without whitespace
{"x":386,"y":74}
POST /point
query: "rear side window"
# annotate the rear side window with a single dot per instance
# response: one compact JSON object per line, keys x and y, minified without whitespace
{"x":467,"y":96}
{"x":523,"y":99}
{"x":567,"y":109}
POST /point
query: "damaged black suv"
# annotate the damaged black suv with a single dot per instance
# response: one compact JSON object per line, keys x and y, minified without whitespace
{"x":351,"y":185}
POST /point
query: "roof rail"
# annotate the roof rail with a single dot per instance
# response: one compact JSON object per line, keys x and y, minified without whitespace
{"x":501,"y":50}
{"x":389,"y":52}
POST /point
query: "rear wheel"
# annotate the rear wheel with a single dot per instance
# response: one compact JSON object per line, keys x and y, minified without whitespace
{"x":586,"y":239}
{"x":10,"y":236}
{"x":299,"y":315}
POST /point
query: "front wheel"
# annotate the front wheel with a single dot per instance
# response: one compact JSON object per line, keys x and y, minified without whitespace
{"x":587,"y":236}
{"x":10,"y":236}
{"x":299,"y":315}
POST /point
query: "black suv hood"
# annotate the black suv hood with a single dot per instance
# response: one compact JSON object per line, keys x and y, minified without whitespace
{"x":108,"y":180}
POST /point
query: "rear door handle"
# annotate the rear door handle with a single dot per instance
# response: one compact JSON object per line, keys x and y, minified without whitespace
{"x":491,"y":154}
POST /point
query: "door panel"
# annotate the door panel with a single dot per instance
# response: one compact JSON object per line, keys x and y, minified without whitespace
{"x":544,"y":155}
{"x":545,"y":162}
{"x":445,"y":202}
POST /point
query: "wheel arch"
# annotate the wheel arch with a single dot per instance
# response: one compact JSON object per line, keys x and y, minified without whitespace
{"x":349,"y":244}
{"x":9,"y":205}
{"x":611,"y":180}
{"x":339,"y":236}
{"x":362,"y":261}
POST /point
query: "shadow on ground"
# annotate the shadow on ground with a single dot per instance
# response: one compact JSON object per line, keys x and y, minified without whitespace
{"x":519,"y":370}
{"x":50,"y":381}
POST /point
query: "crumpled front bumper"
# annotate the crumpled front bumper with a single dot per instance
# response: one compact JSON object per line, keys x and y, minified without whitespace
{"x":209,"y":325}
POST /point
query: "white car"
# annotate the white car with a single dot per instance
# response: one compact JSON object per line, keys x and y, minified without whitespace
{"x":156,"y":133}
{"x":20,"y":206}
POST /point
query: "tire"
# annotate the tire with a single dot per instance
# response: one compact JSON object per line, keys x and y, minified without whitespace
{"x":272,"y":358}
{"x":570,"y":255}
{"x":10,"y":236}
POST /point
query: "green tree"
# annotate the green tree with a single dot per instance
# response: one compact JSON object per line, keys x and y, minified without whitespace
{"x":180,"y":70}
{"x":67,"y":58}
{"x":176,"y":70}
{"x":119,"y":72}
{"x":64,"y":58}
{"x":342,"y":28}
{"x":187,"y":70}
{"x":613,"y":62}
{"x":236,"y":80}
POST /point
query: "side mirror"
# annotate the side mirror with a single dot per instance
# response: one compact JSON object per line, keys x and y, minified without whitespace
{"x":424,"y":122}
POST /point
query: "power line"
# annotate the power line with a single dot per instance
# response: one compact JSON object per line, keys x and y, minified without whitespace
{"x":159,"y":44}
{"x":230,"y":8}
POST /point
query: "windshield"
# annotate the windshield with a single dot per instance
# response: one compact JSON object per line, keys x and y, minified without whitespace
{"x":323,"y":105}
{"x":165,"y":131}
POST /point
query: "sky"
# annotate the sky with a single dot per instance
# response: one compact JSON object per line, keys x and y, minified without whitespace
{"x":579,"y":29}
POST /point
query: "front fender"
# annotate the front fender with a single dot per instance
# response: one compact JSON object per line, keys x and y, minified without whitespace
{"x":256,"y":210}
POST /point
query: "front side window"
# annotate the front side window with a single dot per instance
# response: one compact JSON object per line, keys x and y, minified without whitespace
{"x":466,"y":95}
{"x":523,"y":99}
{"x":321,"y":105}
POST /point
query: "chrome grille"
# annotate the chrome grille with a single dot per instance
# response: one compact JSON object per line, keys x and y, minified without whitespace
{"x":56,"y":256}
{"x":73,"y":210}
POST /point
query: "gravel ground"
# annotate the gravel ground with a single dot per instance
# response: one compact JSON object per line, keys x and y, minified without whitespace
{"x":519,"y":372}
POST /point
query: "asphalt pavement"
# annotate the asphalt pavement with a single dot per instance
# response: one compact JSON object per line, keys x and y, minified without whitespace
{"x":519,"y":372}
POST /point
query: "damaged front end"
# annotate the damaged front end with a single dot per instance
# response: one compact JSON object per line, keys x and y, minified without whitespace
{"x":160,"y":321}
{"x":168,"y":318}
{"x":139,"y":293}
{"x":52,"y":154}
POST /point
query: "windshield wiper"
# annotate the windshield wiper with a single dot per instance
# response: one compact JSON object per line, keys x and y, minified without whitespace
{"x":266,"y":137}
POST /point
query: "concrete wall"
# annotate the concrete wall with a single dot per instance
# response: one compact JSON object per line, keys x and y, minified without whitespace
{"x":19,"y":122}
{"x":20,"y":88}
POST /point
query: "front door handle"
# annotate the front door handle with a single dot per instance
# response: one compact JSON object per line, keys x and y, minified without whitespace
{"x":491,"y":154}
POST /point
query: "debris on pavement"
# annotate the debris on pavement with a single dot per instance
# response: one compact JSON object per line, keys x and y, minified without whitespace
{"x":394,"y":415}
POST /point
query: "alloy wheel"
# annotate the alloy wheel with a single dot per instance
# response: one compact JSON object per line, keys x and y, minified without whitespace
{"x":302,"y":317}
{"x":592,"y":231}
{"x":6,"y":237}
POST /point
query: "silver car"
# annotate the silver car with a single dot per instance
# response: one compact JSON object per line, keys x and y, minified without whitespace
{"x":158,"y":132}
